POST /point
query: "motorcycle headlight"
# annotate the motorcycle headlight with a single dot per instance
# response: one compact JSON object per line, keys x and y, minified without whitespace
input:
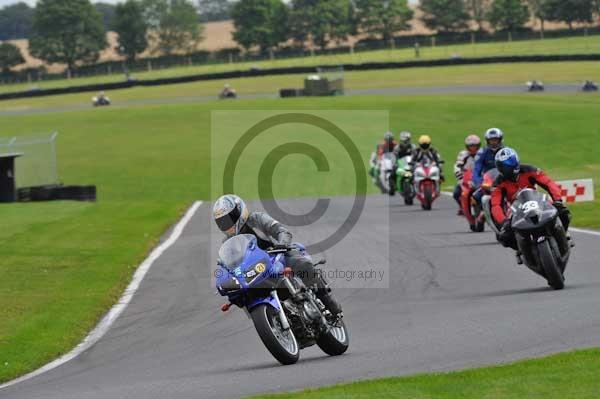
{"x":251,"y":274}
{"x":229,"y":286}
{"x":435,"y":174}
{"x":419,"y":174}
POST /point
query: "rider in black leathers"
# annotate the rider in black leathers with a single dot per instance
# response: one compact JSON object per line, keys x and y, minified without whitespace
{"x":426,"y":150}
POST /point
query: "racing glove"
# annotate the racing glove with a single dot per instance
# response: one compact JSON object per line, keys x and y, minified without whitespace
{"x":563,"y":213}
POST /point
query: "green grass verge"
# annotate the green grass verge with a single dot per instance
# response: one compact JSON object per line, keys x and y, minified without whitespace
{"x":493,"y":74}
{"x":573,"y":45}
{"x":568,"y":375}
{"x":64,"y":263}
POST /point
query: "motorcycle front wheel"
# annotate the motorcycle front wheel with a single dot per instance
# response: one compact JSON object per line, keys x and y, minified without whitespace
{"x":282,"y":344}
{"x":553,"y":274}
{"x":392,"y":185}
{"x":407,"y":192}
{"x":479,"y":226}
{"x":427,"y":198}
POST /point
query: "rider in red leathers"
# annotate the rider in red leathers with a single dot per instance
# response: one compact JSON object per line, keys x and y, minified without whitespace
{"x":465,"y":161}
{"x":513,"y":178}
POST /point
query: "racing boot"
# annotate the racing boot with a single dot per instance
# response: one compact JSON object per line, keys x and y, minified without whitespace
{"x":324,"y":293}
{"x":519,"y":258}
{"x":331,"y":304}
{"x":570,"y":240}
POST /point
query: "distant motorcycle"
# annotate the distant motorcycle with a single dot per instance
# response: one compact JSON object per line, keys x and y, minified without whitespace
{"x":287,"y":315}
{"x":541,"y":237}
{"x":535,"y":85}
{"x":228,"y":94}
{"x":588,"y":85}
{"x":100,"y":101}
{"x":427,"y":183}
{"x":387,"y":173}
{"x":404,"y":180}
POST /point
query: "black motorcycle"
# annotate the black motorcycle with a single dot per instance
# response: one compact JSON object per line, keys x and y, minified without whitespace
{"x":100,"y":101}
{"x":228,"y":95}
{"x":588,"y":85}
{"x":541,"y":237}
{"x":535,"y":85}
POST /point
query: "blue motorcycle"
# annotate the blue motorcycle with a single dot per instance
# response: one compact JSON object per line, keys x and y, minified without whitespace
{"x":287,"y":315}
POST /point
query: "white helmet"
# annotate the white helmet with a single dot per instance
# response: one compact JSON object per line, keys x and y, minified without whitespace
{"x":405,"y":137}
{"x":494,"y":133}
{"x":230,"y":213}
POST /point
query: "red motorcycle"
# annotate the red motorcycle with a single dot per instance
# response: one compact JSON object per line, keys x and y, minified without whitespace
{"x":427,"y":183}
{"x":472,"y":209}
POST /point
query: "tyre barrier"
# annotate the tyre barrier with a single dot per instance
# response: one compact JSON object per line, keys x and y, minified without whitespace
{"x":299,"y":70}
{"x":56,"y":193}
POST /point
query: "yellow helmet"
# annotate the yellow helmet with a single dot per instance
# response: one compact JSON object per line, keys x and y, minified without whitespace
{"x":425,"y":141}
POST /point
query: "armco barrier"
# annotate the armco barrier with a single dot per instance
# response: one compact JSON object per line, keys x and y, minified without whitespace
{"x":300,"y":70}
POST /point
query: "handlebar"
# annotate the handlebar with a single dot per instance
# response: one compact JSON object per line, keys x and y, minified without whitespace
{"x":278,"y":250}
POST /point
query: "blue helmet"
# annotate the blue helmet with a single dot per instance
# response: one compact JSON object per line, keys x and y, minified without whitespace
{"x":508,"y":164}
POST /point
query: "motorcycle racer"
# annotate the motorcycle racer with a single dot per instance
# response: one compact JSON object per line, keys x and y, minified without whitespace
{"x":465,"y":161}
{"x":485,"y":159}
{"x":388,"y":144}
{"x":405,"y":147}
{"x":233,"y":217}
{"x":426,"y":151}
{"x":513,"y":178}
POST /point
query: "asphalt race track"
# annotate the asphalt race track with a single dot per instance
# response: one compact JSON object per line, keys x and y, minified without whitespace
{"x":456,"y":300}
{"x":465,"y":89}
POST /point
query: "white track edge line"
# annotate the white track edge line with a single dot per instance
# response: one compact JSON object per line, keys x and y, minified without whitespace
{"x":575,"y":229}
{"x":112,"y":315}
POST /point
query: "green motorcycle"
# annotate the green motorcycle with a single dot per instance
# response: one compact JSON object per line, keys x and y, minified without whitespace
{"x":404,"y":177}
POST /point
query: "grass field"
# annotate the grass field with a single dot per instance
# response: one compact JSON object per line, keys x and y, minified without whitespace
{"x":493,"y":74}
{"x":64,"y":263}
{"x":569,"y":375}
{"x":574,"y":45}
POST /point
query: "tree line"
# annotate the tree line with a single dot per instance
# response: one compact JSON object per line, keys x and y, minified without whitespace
{"x":16,"y":19}
{"x":269,"y":23}
{"x":72,"y":32}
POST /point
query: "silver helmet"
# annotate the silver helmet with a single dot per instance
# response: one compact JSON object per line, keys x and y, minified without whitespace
{"x":230,"y":214}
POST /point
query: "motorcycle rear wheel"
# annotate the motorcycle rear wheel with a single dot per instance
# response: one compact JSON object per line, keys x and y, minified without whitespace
{"x":336,"y":341}
{"x":552,"y":271}
{"x":282,"y":344}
